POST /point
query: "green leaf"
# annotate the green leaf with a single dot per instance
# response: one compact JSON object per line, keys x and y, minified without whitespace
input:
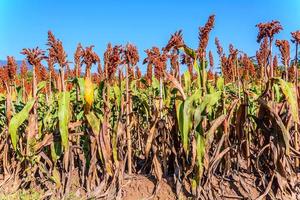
{"x":189,"y":51}
{"x":209,"y":100}
{"x":133,"y":86}
{"x":56,"y":177}
{"x":118,"y":95}
{"x":80,"y":82}
{"x":56,"y":151}
{"x":220,"y":83}
{"x":155,"y":83}
{"x":187,"y":81}
{"x":179,"y":112}
{"x":277,"y":92}
{"x":289,"y":92}
{"x":40,"y":86}
{"x":200,"y":151}
{"x":63,"y":116}
{"x":17,"y":120}
{"x":94,"y":122}
{"x":184,"y":115}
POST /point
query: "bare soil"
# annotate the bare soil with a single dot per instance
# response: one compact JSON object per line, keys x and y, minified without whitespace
{"x":141,"y":187}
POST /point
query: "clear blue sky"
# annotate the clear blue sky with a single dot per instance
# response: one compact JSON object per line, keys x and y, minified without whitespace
{"x":24,"y":23}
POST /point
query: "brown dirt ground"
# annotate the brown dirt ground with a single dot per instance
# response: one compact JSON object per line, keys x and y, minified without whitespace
{"x":141,"y":187}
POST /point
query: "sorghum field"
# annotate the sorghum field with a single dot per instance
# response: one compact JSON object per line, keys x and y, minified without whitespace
{"x":227,"y":131}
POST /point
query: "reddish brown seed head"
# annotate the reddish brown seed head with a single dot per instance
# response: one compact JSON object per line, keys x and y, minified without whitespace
{"x":284,"y":48}
{"x":89,"y":57}
{"x":108,"y":53}
{"x":4,"y":75}
{"x":175,"y":42}
{"x":259,"y":59}
{"x":275,"y":62}
{"x":24,"y":70}
{"x":149,"y":73}
{"x":204,"y":35}
{"x":131,"y":55}
{"x":210,"y":75}
{"x":291,"y":74}
{"x":211,"y":59}
{"x":112,"y":59}
{"x":96,"y":78}
{"x":296,"y":37}
{"x":77,"y":59}
{"x":233,"y":53}
{"x":249,"y":69}
{"x":219,"y":47}
{"x":12,"y":68}
{"x":226,"y":69}
{"x":268,"y":30}
{"x":158,"y":59}
{"x":56,"y":50}
{"x":99,"y":70}
{"x":263,"y":53}
{"x":138,"y":72}
{"x":152,"y":54}
{"x":43,"y":74}
{"x":174,"y":62}
{"x":78,"y":54}
{"x":52,"y":72}
{"x":34,"y":56}
{"x":160,"y":65}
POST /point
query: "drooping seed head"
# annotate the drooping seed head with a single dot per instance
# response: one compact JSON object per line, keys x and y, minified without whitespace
{"x":34,"y":56}
{"x":296,"y":37}
{"x":268,"y":29}
{"x":89,"y":57}
{"x":175,"y":42}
